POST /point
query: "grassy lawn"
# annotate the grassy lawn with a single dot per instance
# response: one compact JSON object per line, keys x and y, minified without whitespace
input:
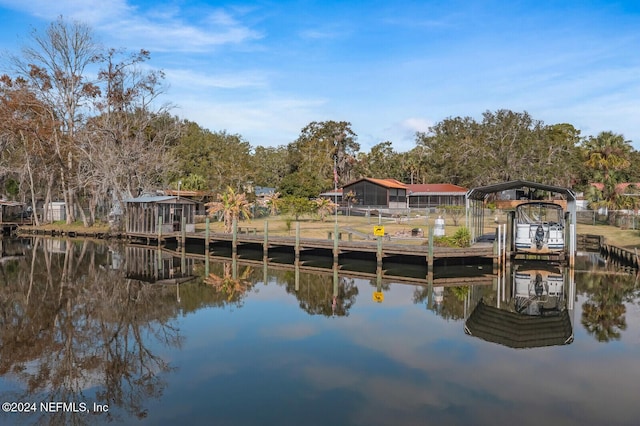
{"x":314,"y":228}
{"x":625,"y":238}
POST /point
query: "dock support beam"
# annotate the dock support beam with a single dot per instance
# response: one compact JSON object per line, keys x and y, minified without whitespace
{"x":207,"y":236}
{"x":234,"y":239}
{"x":265,"y":242}
{"x":159,"y":230}
{"x":297,"y":246}
{"x":335,"y":243}
{"x":183,"y":232}
{"x":430,"y":253}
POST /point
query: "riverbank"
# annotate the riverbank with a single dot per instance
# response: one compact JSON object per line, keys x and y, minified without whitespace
{"x":359,"y":226}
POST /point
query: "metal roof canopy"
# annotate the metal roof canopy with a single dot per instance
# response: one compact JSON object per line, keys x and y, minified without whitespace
{"x":481,"y":193}
{"x":476,"y":196}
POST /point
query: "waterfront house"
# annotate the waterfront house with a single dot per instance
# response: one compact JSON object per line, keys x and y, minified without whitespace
{"x":431,"y":195}
{"x":377,"y":193}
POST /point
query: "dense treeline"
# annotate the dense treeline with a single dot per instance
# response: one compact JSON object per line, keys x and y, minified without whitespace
{"x":85,"y":125}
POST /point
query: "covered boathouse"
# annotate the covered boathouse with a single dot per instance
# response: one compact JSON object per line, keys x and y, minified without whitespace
{"x":153,"y":214}
{"x":12,"y":215}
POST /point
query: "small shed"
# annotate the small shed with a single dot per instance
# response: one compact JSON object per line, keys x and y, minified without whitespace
{"x":55,"y":211}
{"x":143,"y":214}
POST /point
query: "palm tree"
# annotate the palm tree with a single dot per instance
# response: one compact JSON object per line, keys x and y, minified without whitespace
{"x":273,"y":202}
{"x":324,"y":207}
{"x":233,"y":205}
{"x":607,"y":155}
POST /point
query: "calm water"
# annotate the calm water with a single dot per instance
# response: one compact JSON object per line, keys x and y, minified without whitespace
{"x":155,"y":340}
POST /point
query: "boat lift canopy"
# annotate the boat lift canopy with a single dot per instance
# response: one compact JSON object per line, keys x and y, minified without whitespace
{"x":475,"y":200}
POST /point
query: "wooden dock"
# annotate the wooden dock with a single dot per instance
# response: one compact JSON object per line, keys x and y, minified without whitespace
{"x":379,"y":249}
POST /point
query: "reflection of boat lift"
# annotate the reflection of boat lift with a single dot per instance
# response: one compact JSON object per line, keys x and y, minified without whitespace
{"x":538,"y":291}
{"x":539,"y":312}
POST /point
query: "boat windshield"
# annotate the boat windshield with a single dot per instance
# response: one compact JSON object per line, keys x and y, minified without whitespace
{"x":539,"y":213}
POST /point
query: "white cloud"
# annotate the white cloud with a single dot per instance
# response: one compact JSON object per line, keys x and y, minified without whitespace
{"x":190,"y":80}
{"x":161,"y":29}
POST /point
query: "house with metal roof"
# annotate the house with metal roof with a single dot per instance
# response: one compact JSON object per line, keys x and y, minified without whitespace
{"x":393,"y":194}
{"x":376,"y":193}
{"x":430,"y":195}
{"x":151,"y":214}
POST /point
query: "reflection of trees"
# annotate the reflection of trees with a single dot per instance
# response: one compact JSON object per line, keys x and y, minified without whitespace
{"x":453,"y":299}
{"x":315,"y":294}
{"x":230,"y":289}
{"x":603,"y":314}
{"x":72,"y":329}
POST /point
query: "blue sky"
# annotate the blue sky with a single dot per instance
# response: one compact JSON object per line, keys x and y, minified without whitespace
{"x":265,"y":69}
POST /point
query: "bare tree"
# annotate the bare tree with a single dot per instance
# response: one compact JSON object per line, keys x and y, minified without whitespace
{"x":54,"y":63}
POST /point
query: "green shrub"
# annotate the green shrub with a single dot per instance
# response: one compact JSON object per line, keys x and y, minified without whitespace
{"x":462,"y":238}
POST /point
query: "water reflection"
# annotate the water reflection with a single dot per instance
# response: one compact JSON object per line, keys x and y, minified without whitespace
{"x":604,"y":310}
{"x":328,"y":294}
{"x":76,"y":326}
{"x":74,"y":329}
{"x":229,"y":285}
{"x":536,"y":312}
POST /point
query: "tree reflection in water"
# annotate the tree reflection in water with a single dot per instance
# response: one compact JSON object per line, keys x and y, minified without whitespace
{"x":316,"y":294}
{"x":604,"y":313}
{"x":71,"y":330}
{"x":229,"y":285}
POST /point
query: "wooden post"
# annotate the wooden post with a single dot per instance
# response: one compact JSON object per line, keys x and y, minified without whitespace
{"x":234,"y":266}
{"x":183,"y":230}
{"x":297,"y":246}
{"x":206,"y":236}
{"x":183,"y":262}
{"x":206,"y":247}
{"x":430,"y":288}
{"x":430,"y":255}
{"x":265,"y":269}
{"x":335,"y":243}
{"x":296,"y":265}
{"x":234,"y":238}
{"x":159,"y":229}
{"x":265,"y":243}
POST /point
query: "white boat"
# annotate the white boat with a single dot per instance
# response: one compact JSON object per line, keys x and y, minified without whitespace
{"x":539,"y":228}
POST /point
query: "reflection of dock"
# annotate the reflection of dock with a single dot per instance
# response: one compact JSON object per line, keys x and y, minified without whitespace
{"x":157,"y":266}
{"x":479,"y":278}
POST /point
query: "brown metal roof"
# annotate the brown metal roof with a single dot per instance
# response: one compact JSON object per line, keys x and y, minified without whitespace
{"x":435,"y":188}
